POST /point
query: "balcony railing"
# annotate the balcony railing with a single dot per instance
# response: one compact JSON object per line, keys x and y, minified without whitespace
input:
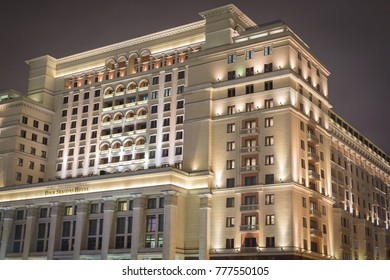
{"x":312,"y":138}
{"x":314,"y":175}
{"x":316,"y":232}
{"x":316,"y":212}
{"x":249,"y":227}
{"x":249,"y":168}
{"x":248,"y":149}
{"x":249,"y":130}
{"x":250,"y":207}
{"x":313,"y":156}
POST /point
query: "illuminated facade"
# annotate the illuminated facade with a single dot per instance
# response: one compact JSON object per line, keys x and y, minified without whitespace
{"x":208,"y":140}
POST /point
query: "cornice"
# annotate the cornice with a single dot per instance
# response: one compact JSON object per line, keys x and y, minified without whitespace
{"x":231,"y":9}
{"x":133,"y":42}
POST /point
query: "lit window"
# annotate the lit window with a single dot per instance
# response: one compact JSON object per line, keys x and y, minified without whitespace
{"x":269,"y":140}
{"x":269,"y":122}
{"x":268,"y":50}
{"x":269,"y":219}
{"x":230,"y":202}
{"x":249,"y":54}
{"x":231,"y":127}
{"x":167,"y":92}
{"x":231,"y":58}
{"x":269,"y":159}
{"x":269,"y":199}
{"x":230,"y":164}
{"x":231,"y":146}
{"x":229,"y":221}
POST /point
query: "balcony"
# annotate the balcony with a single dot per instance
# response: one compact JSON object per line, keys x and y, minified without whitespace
{"x":142,"y":117}
{"x":118,"y":121}
{"x":132,"y":90}
{"x":313,"y":156}
{"x":249,"y":227}
{"x":117,"y":134}
{"x":248,"y":149}
{"x":249,"y":168}
{"x":315,"y":212}
{"x":119,"y":106}
{"x":249,"y":130}
{"x":119,"y":93}
{"x":129,"y":119}
{"x":250,"y":207}
{"x":143,"y":88}
{"x":107,"y":109}
{"x":312,"y":138}
{"x":142,"y":102}
{"x":314,"y":175}
{"x":108,"y":95}
{"x":316,"y":232}
{"x":131,"y":104}
{"x":106,"y":123}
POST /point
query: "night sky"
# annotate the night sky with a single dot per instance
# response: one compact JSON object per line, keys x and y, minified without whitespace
{"x":351,"y":37}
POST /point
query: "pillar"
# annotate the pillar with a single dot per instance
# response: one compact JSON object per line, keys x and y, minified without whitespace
{"x":138,"y":235}
{"x":108,"y":216}
{"x":9,"y":216}
{"x":57,"y":213}
{"x":204,"y":226}
{"x":30,"y":233}
{"x":81,"y":219}
{"x":170,"y":225}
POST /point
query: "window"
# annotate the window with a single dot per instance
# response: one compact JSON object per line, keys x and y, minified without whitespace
{"x":250,"y":180}
{"x":231,"y":92}
{"x":269,"y":122}
{"x":268,"y":67}
{"x":153,"y":109}
{"x":269,"y":220}
{"x":179,"y":135}
{"x":20,"y":162}
{"x":231,"y":58}
{"x":230,"y":164}
{"x":155,"y":80}
{"x":167,"y":92}
{"x":33,"y":151}
{"x":230,"y":243}
{"x":231,"y":127}
{"x":181,"y":75}
{"x":231,"y":146}
{"x":35,"y":124}
{"x":152,"y":139}
{"x":65,"y":100}
{"x":44,"y":140}
{"x":21,"y":147}
{"x":269,"y":159}
{"x":72,"y":138}
{"x":64,"y":113}
{"x":304,"y":202}
{"x":231,"y":110}
{"x":59,"y":167}
{"x":269,"y":178}
{"x":269,"y":199}
{"x":166,"y":122}
{"x":31,"y":165}
{"x":299,"y":55}
{"x":269,"y":140}
{"x":249,"y":54}
{"x":308,"y":64}
{"x":153,"y":124}
{"x":168,"y":77}
{"x":180,"y":104}
{"x":178,"y":151}
{"x":75,"y":98}
{"x":167,"y":107}
{"x":230,"y":183}
{"x":229,"y":202}
{"x":18,"y":176}
{"x":268,"y":85}
{"x":270,"y":241}
{"x":97,"y":93}
{"x":96,"y":106}
{"x":180,"y":119}
{"x":86,"y":95}
{"x":304,"y":222}
{"x":249,"y":71}
{"x":63,"y":126}
{"x":165,"y":137}
{"x":152,"y":154}
{"x":249,"y":89}
{"x":165,"y":152}
{"x":229,"y":221}
{"x":154,"y":94}
{"x":180,"y":89}
{"x":23,"y":133}
{"x":93,"y":134}
{"x":29,"y":179}
{"x":85,"y":109}
{"x":74,"y":111}
{"x":268,"y":50}
{"x":24,"y":120}
{"x":231,"y":75}
{"x":95,"y":120}
{"x":34,"y":137}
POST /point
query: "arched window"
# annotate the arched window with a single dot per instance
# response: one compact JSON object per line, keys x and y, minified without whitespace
{"x":107,"y":118}
{"x":129,"y":115}
{"x":140,"y":141}
{"x":132,"y":86}
{"x":144,"y":83}
{"x":128,"y":143}
{"x":142,"y":112}
{"x":116,"y":145}
{"x":118,"y":117}
{"x":104,"y":147}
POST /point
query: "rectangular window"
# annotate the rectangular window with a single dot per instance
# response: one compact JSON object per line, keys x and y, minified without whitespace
{"x":231,"y":75}
{"x":96,"y":106}
{"x":269,"y":141}
{"x":269,"y":160}
{"x":269,"y":178}
{"x":155,"y":80}
{"x":269,"y":199}
{"x":269,"y":220}
{"x":231,"y":110}
{"x":166,"y":122}
{"x":268,"y":85}
{"x":178,"y":151}
{"x":180,"y":89}
{"x":249,"y":71}
{"x":165,"y":152}
{"x":230,"y":243}
{"x":35,"y":123}
{"x":154,"y":94}
{"x":181,"y":75}
{"x":85,"y":109}
{"x":168,"y":77}
{"x":167,"y":107}
{"x":180,"y":104}
{"x":268,"y":122}
{"x":180,"y":119}
{"x":23,"y":133}
{"x":268,"y":50}
{"x":268,"y":67}
{"x":167,"y":92}
{"x":231,"y":146}
{"x":270,"y":241}
{"x":231,"y":58}
{"x":231,"y":127}
{"x":230,"y":202}
{"x":230,"y":183}
{"x":230,"y":164}
{"x":249,"y":54}
{"x":179,"y":135}
{"x":249,"y":89}
{"x":229,"y":221}
{"x":231,"y":92}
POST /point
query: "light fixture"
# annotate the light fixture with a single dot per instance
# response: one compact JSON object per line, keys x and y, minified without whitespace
{"x":218,"y":114}
{"x":258,"y":107}
{"x":257,"y":71}
{"x":280,"y":103}
{"x":280,"y":67}
{"x":239,"y":75}
{"x":219,"y":79}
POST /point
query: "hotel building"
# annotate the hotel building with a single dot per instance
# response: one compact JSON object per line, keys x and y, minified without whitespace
{"x":211,"y":140}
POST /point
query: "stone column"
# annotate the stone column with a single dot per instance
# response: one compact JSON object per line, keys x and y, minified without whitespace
{"x":170,"y":225}
{"x":204,"y":226}
{"x":57,"y":213}
{"x":31,"y":229}
{"x":81,"y":221}
{"x":7,"y":226}
{"x":138,"y":235}
{"x":109,"y":210}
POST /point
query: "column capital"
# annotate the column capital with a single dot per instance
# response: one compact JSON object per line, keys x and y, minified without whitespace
{"x":82,"y":206}
{"x":170,"y":198}
{"x":32,"y":211}
{"x":205,"y":200}
{"x":9,"y":214}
